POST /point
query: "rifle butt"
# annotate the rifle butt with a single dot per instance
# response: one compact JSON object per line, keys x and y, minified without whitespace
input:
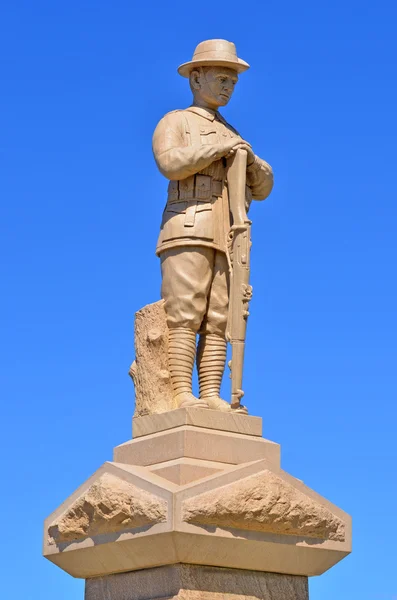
{"x":237,"y":362}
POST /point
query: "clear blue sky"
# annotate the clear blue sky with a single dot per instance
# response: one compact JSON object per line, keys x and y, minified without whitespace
{"x":83,"y":85}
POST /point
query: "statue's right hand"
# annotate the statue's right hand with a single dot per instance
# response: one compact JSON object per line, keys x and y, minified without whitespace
{"x":243,"y":146}
{"x":229,"y":147}
{"x":226,"y":147}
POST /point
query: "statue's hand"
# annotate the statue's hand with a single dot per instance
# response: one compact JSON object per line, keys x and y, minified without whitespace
{"x":243,"y":145}
{"x":224,"y":148}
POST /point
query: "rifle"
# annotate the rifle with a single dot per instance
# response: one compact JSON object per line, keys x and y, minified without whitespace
{"x":239,"y":245}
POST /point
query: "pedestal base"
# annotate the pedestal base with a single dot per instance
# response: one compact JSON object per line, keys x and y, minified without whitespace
{"x":191,"y":582}
{"x":196,"y":487}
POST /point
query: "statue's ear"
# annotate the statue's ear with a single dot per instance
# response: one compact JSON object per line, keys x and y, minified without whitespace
{"x":194,"y":79}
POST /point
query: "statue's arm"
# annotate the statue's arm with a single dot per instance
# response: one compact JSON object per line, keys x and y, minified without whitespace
{"x":174,"y":157}
{"x":260,"y":178}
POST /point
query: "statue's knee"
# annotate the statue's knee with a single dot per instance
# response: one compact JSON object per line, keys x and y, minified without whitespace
{"x":187,"y":322}
{"x":184,"y":314}
{"x":217,"y":327}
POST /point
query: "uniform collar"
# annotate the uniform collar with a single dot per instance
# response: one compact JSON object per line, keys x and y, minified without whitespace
{"x":207,"y":113}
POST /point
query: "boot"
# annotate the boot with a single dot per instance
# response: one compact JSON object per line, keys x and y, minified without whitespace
{"x":181,"y":353}
{"x":211,"y":359}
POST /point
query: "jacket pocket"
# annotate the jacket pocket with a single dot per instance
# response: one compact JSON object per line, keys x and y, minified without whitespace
{"x":208,"y":135}
{"x":187,"y":220}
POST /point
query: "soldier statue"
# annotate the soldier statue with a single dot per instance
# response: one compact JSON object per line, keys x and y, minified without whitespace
{"x":190,"y":148}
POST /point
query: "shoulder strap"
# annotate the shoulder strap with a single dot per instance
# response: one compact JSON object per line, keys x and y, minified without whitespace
{"x":192,"y":128}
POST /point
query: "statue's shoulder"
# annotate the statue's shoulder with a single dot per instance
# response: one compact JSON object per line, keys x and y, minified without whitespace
{"x":184,"y":116}
{"x":173,"y":119}
{"x":174,"y":114}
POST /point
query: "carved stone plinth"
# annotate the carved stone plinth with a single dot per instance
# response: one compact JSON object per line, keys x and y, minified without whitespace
{"x":191,"y":582}
{"x":186,"y":492}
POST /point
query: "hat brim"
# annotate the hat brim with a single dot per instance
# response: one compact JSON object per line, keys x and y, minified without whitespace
{"x":240,"y":66}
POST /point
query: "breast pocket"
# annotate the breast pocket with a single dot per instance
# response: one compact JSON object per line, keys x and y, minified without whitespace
{"x":208,"y":135}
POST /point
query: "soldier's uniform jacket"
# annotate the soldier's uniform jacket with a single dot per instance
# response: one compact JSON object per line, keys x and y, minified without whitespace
{"x":186,"y":149}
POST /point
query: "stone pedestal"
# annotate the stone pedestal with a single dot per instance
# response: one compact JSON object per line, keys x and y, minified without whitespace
{"x":196,"y":487}
{"x":191,"y":582}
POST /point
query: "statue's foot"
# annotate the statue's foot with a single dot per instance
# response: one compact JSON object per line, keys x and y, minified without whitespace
{"x":187,"y":400}
{"x":216,"y":403}
{"x":241,"y":410}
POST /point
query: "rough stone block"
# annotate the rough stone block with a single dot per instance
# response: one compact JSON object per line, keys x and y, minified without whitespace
{"x":189,"y":582}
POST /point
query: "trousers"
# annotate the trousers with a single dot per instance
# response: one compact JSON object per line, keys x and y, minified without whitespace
{"x":195,"y":288}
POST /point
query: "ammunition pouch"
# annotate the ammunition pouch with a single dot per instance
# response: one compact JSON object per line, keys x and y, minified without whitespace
{"x":192,"y":195}
{"x":188,"y":213}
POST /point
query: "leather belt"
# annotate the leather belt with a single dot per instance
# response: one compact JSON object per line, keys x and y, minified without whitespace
{"x":187,"y":190}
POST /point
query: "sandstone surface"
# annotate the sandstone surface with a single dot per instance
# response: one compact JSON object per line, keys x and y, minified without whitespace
{"x":108,"y":506}
{"x":149,"y":371}
{"x":264,"y":502}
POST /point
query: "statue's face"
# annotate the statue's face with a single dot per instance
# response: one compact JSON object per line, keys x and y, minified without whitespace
{"x":214,"y":85}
